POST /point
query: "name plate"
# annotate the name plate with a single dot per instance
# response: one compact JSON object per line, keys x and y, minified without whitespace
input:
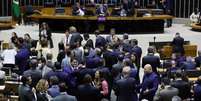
{"x":101,"y":18}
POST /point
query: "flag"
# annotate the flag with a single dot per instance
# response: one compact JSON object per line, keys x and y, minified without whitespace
{"x":16,"y":9}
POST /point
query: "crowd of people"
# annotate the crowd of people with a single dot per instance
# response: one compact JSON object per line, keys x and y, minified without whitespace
{"x":88,"y":70}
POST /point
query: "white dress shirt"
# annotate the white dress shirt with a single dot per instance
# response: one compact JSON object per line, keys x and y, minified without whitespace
{"x":9,"y":56}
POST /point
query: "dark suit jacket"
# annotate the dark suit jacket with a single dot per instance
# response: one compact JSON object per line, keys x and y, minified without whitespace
{"x":138,"y":52}
{"x":183,"y":87}
{"x":89,"y":43}
{"x":64,"y":97}
{"x":154,"y":61}
{"x":197,"y":92}
{"x":150,"y":82}
{"x":41,"y":96}
{"x":166,"y":94}
{"x":53,"y":91}
{"x":110,"y":58}
{"x":178,"y":43}
{"x":21,"y":59}
{"x":189,"y":66}
{"x":36,"y":75}
{"x":125,"y":89}
{"x":25,"y":93}
{"x":100,"y":41}
{"x":86,"y":92}
{"x":198,"y":61}
{"x":76,"y":37}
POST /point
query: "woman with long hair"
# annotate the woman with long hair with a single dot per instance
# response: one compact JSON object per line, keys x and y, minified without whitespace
{"x":41,"y":90}
{"x":46,"y":33}
{"x":101,"y":83}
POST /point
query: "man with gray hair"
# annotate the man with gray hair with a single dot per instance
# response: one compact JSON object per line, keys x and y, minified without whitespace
{"x":166,"y":92}
{"x":125,"y":88}
{"x":76,"y":37}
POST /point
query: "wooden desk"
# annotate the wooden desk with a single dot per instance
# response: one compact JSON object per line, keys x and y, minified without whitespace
{"x":196,"y":26}
{"x":88,"y":24}
{"x":68,"y":17}
{"x":11,"y":87}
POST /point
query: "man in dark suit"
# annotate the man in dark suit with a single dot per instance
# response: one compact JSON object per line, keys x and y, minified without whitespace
{"x":76,"y":37}
{"x":197,"y":90}
{"x":182,"y":85}
{"x":166,"y":92}
{"x":53,"y":91}
{"x":178,"y":44}
{"x":88,"y":42}
{"x":100,"y":41}
{"x":149,"y":84}
{"x":198,"y":59}
{"x":154,"y":61}
{"x":24,"y":90}
{"x":110,"y":57}
{"x":125,"y":88}
{"x":35,"y":74}
{"x":87,"y":92}
{"x":189,"y":64}
{"x":63,"y":94}
{"x":137,"y":50}
{"x":58,"y":72}
{"x":117,"y":68}
{"x":22,"y":56}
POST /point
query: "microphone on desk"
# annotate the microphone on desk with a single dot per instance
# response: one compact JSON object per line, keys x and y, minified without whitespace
{"x":154,"y":38}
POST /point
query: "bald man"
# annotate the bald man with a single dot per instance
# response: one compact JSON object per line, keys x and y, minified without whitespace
{"x":125,"y":88}
{"x":149,"y":84}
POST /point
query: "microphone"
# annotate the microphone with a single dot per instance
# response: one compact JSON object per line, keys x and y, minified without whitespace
{"x":154,"y":38}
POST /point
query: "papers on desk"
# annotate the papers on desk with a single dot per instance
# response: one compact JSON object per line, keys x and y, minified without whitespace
{"x":2,"y":87}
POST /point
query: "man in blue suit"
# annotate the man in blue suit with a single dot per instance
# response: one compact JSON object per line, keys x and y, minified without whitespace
{"x":100,"y":41}
{"x":125,"y":88}
{"x":137,"y":50}
{"x":197,"y":90}
{"x":22,"y":56}
{"x":149,"y":84}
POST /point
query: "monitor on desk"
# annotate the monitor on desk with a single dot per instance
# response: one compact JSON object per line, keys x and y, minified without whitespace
{"x":60,"y":11}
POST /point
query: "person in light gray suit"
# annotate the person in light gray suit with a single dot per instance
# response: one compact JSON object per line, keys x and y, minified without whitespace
{"x":42,"y":66}
{"x":63,"y":94}
{"x":24,"y":90}
{"x":166,"y":92}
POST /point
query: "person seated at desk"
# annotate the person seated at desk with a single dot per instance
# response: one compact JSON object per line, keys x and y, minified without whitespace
{"x":194,"y":17}
{"x":102,"y":10}
{"x":189,"y":64}
{"x":77,"y":10}
{"x":128,"y":6}
{"x":173,"y":68}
